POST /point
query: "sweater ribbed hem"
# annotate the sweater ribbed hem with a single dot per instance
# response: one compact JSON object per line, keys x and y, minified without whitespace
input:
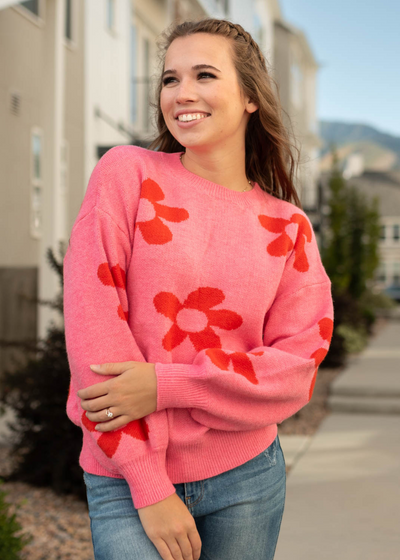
{"x":146,"y":476}
{"x":148,"y":479}
{"x":218,"y":452}
{"x":181,"y":386}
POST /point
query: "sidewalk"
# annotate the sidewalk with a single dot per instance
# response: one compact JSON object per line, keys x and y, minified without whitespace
{"x":343,"y":489}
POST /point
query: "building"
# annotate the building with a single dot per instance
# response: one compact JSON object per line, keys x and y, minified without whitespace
{"x":295,"y":70}
{"x":77,"y":79}
{"x":385,"y":186}
{"x":41,"y":154}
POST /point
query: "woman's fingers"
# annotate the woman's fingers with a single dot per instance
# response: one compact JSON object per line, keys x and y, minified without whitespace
{"x":195,"y":542}
{"x":93,"y":391}
{"x":112,"y":368}
{"x":179,"y":549}
{"x":96,"y":405}
{"x":163,"y":549}
{"x":185,"y":547}
{"x":114,"y":424}
{"x":102,"y":415}
{"x":171,"y":522}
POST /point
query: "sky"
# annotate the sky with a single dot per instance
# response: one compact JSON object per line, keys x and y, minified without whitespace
{"x":357,"y":44}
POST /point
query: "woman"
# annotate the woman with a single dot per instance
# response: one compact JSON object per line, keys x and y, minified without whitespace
{"x":197,"y":286}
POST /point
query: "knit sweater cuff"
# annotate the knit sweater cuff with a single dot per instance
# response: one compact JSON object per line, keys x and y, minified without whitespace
{"x":147,"y":479}
{"x":181,"y":386}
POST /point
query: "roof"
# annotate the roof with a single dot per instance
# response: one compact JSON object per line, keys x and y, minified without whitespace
{"x":384,"y":185}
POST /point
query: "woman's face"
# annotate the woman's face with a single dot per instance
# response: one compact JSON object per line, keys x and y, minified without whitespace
{"x":200,"y":83}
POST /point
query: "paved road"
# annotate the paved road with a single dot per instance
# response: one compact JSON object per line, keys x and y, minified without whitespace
{"x":343,"y":491}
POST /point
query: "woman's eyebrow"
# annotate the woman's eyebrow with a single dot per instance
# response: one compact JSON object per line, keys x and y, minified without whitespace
{"x":197,"y":67}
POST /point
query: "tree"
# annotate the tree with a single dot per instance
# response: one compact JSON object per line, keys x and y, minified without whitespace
{"x":363,"y":232}
{"x":336,"y":251}
{"x":350,"y":256}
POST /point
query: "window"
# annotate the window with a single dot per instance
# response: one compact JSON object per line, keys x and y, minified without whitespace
{"x":381,"y":276}
{"x":111,"y":14}
{"x":68,"y":20}
{"x":382,"y":235}
{"x":36,"y":182}
{"x":32,"y":5}
{"x":146,"y":88}
{"x":396,"y":232}
{"x":296,"y":82}
{"x":258,"y":30}
{"x":396,"y":274}
{"x":64,"y":189}
{"x":223,"y":5}
{"x":133,"y":70}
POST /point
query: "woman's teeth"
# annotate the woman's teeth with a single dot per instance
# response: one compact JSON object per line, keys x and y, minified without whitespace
{"x":191,"y":117}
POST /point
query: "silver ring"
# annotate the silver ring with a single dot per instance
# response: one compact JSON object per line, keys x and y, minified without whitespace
{"x":109,"y":413}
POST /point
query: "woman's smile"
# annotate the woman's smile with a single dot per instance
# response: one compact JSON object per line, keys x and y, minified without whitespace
{"x":188,"y":120}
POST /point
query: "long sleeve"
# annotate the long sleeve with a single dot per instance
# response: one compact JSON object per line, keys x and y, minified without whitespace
{"x":96,"y":313}
{"x":226,"y":388}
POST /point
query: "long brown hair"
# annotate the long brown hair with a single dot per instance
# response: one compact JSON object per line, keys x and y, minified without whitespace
{"x":269,"y":152}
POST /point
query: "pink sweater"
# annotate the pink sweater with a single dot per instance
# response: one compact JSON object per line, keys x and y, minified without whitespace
{"x":223,"y":291}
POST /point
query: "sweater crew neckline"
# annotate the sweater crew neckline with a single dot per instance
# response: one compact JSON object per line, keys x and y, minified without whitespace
{"x":245,"y":198}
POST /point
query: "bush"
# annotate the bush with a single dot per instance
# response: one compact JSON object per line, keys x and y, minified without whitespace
{"x":11,"y":543}
{"x":46,"y":444}
{"x":350,"y":256}
{"x":355,"y":340}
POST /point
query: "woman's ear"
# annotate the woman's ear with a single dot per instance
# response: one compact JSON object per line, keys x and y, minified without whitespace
{"x":251,"y":107}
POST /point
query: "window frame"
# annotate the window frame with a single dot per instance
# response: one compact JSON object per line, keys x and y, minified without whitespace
{"x":37,"y":19}
{"x":113,"y":28}
{"x":395,"y":277}
{"x":133,"y":72}
{"x":71,"y":42}
{"x":36,"y":184}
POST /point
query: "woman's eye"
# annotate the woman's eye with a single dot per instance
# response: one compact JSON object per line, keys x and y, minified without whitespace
{"x":167,"y":81}
{"x":206,"y":75}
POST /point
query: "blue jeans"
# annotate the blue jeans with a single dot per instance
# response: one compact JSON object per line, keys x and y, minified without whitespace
{"x":238,"y":513}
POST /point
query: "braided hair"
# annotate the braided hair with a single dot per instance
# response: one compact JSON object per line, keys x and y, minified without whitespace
{"x":269,"y":157}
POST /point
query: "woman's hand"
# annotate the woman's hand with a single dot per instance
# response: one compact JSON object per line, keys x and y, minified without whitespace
{"x":172,"y":529}
{"x":130,"y":395}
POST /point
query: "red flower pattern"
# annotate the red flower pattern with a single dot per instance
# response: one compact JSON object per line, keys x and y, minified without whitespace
{"x":326,"y":328}
{"x":241,"y":363}
{"x":109,"y":441}
{"x":283,"y":244}
{"x":116,"y":278}
{"x":325,"y":331}
{"x":154,"y":231}
{"x":195,"y":310}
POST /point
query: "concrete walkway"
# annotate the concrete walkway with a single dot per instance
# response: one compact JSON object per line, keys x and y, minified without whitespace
{"x":343,"y":489}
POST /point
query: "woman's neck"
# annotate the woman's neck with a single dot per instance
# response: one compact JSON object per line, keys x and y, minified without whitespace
{"x":221,"y":167}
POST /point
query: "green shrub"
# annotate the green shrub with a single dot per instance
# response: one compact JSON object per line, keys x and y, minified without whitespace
{"x":350,"y":254}
{"x":11,"y":539}
{"x":46,"y":444}
{"x":355,"y":340}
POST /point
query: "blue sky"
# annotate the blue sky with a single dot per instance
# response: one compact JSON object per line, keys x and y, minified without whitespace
{"x":357,"y":43}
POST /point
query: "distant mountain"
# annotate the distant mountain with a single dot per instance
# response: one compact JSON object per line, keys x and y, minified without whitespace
{"x":381,"y":151}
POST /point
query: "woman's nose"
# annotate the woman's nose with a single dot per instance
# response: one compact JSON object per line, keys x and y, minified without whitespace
{"x":186,"y":92}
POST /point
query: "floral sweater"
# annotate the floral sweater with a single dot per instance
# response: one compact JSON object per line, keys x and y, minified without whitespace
{"x":223,"y":291}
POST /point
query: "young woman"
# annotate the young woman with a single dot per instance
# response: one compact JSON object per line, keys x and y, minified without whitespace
{"x":194,"y":281}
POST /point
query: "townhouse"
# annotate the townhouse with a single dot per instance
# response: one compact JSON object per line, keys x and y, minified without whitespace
{"x":77,"y":77}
